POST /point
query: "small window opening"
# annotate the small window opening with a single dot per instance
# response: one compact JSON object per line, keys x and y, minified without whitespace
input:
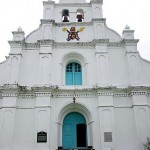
{"x":80,"y":15}
{"x":65,"y":15}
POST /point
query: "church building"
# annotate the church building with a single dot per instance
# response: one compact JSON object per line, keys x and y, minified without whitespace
{"x":74,"y":84}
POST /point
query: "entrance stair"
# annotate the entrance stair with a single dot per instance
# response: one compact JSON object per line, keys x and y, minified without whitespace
{"x":86,"y":148}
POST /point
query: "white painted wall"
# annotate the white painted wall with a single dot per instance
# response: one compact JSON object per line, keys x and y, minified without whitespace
{"x":110,"y":64}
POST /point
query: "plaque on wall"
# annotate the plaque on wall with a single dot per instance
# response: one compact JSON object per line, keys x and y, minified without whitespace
{"x":107,"y":136}
{"x":41,"y":137}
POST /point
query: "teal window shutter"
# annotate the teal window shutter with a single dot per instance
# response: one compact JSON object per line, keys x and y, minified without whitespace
{"x":73,"y":74}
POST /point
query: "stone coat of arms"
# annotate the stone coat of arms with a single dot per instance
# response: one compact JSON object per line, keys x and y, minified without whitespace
{"x":72,"y":33}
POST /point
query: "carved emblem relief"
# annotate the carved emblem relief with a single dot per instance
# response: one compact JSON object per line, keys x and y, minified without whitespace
{"x":72,"y":33}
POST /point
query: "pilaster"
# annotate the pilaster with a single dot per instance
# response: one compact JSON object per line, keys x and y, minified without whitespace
{"x":132,"y":56}
{"x":43,"y":117}
{"x":8,"y":112}
{"x":106,"y":120}
{"x":45,"y":62}
{"x":102,"y":63}
{"x":141,"y":111}
{"x":14,"y":61}
{"x":99,"y":28}
{"x":48,"y":9}
{"x":97,"y":9}
{"x":46,"y":31}
{"x":15,"y":55}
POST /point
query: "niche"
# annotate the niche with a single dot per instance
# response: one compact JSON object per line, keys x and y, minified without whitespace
{"x":80,"y":15}
{"x":65,"y":15}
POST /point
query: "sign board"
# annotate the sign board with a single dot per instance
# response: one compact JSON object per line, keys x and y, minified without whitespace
{"x":107,"y":136}
{"x":41,"y":137}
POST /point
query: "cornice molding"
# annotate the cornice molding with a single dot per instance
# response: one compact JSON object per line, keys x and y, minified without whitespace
{"x":74,"y":4}
{"x":47,"y":21}
{"x":52,"y":43}
{"x":99,"y":20}
{"x":16,"y":44}
{"x":105,"y":94}
{"x":31,"y":45}
{"x":75,"y":44}
{"x":101,"y":41}
{"x":48,"y":2}
{"x":121,"y":95}
{"x":130,"y":42}
{"x":115,"y":44}
{"x":71,"y":94}
{"x":60,"y":24}
{"x":148,"y":94}
{"x":8,"y":94}
{"x":138,"y":93}
{"x":45,"y":42}
{"x":59,"y":92}
{"x":43,"y":94}
{"x":26,"y":96}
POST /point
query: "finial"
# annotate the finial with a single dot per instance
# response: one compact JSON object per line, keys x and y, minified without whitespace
{"x":127,"y":27}
{"x":19,"y":29}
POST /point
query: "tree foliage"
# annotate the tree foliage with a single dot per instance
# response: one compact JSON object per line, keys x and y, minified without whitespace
{"x":147,"y":144}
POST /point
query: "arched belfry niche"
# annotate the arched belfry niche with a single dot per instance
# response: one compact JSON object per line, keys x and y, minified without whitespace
{"x":79,"y":109}
{"x":74,"y":58}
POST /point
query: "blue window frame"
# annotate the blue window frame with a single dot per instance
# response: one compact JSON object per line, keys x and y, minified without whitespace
{"x":73,"y":74}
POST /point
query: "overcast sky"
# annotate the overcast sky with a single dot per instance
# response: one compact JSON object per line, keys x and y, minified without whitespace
{"x":27,"y":14}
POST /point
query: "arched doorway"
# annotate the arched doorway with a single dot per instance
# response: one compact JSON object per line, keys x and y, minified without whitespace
{"x":74,"y":131}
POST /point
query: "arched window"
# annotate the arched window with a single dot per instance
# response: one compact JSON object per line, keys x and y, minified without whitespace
{"x":65,"y":15}
{"x":80,"y":15}
{"x":73,"y":74}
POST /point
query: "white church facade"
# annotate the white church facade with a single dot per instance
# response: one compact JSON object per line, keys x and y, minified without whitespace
{"x":74,"y":84}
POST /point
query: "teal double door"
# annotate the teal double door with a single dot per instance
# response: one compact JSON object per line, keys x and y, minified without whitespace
{"x":74,"y":132}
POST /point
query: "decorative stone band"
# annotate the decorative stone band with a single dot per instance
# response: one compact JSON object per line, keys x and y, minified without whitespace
{"x":43,"y":94}
{"x":70,"y":24}
{"x":105,"y":94}
{"x":52,"y":43}
{"x":48,"y":2}
{"x":26,"y":96}
{"x":138,"y":93}
{"x":77,"y":95}
{"x":47,"y":21}
{"x":55,"y":91}
{"x":99,"y":20}
{"x":16,"y":44}
{"x":52,"y":22}
{"x":130,"y":42}
{"x":9,"y":94}
{"x":74,"y":5}
{"x":45,"y":42}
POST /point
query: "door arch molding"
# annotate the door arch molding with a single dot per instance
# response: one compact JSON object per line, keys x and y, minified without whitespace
{"x":80,"y":108}
{"x":74,"y":57}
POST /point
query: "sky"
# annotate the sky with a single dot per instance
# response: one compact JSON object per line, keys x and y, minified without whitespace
{"x":118,"y":13}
